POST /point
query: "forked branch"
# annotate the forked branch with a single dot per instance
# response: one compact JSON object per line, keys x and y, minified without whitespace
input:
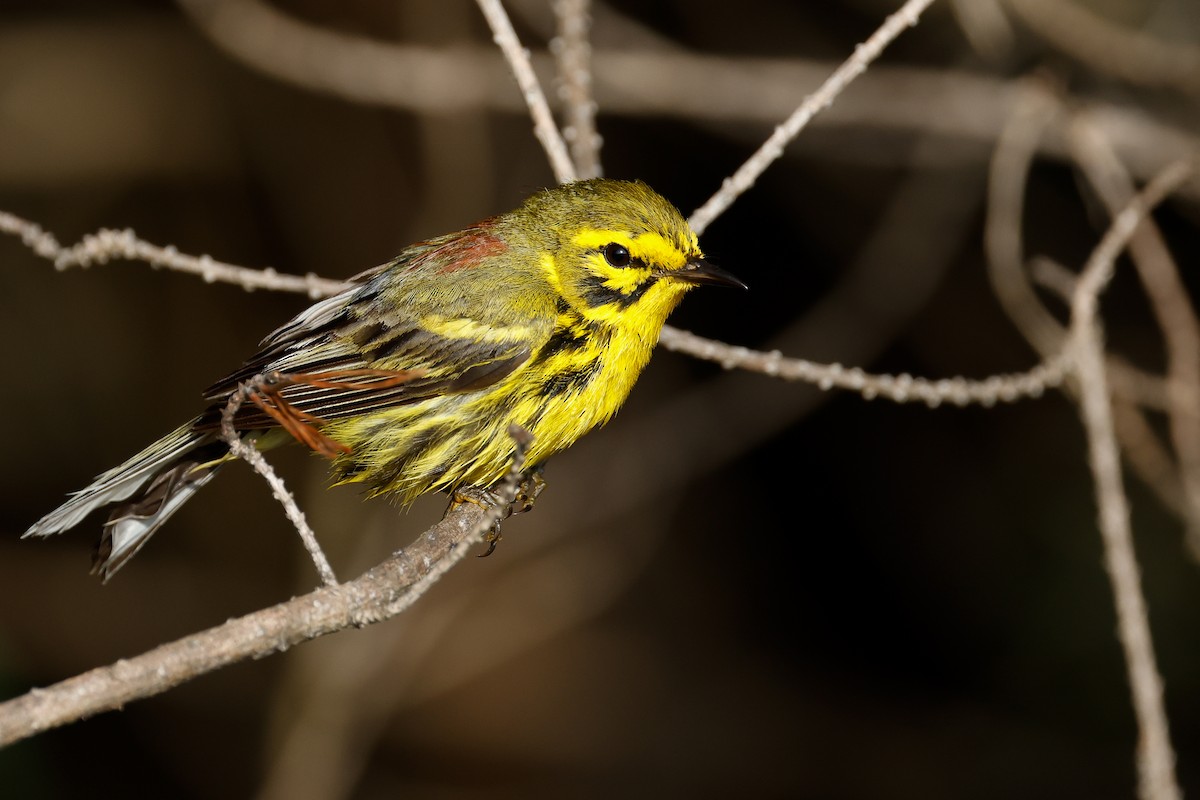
{"x":1156,"y":757}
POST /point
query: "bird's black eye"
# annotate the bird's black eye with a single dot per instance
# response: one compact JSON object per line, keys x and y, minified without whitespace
{"x":616,"y":255}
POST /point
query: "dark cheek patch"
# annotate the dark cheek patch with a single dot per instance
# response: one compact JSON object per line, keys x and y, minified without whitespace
{"x":596,"y":293}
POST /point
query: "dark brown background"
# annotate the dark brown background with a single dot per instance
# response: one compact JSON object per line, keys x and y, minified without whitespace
{"x":740,"y":586}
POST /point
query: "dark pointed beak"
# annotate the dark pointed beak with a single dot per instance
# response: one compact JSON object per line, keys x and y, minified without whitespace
{"x":700,"y":271}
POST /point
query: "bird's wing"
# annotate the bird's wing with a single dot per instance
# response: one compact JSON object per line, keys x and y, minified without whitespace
{"x":450,"y":344}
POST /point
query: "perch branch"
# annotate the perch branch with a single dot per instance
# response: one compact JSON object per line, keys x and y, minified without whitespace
{"x":377,"y":595}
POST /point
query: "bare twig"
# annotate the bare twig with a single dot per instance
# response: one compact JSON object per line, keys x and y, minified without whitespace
{"x":1156,"y":758}
{"x":985,"y":25}
{"x":379,"y":594}
{"x":518,"y":60}
{"x":1079,"y":32}
{"x":105,"y":245}
{"x":902,"y":388}
{"x":1010,"y":167}
{"x":745,"y":176}
{"x":1171,"y":305}
{"x":1134,"y":391}
{"x":505,"y":493}
{"x":960,"y":104}
{"x":1036,"y":109}
{"x":251,"y":455}
{"x":574,"y":54}
{"x":1015,"y":150}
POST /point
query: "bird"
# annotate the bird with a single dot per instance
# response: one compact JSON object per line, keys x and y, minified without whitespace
{"x":409,"y":379}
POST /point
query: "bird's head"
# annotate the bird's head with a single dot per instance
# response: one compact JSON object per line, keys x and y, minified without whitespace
{"x":616,"y":251}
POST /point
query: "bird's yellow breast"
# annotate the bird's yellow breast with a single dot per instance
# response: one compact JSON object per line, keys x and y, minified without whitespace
{"x":574,"y":382}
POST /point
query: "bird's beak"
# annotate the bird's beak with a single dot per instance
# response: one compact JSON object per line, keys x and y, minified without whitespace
{"x":700,"y":271}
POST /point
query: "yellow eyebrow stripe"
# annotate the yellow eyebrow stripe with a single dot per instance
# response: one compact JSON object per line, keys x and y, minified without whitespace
{"x":652,"y":248}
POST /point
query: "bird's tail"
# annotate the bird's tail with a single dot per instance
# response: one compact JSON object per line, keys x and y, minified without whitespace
{"x":149,"y":488}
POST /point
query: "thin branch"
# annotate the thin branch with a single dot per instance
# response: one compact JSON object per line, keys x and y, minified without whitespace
{"x":106,"y":245}
{"x":574,"y":55}
{"x":1035,"y":110}
{"x":985,"y":26}
{"x":1010,"y":167}
{"x":1100,"y":267}
{"x":377,"y":595}
{"x":901,"y":388}
{"x":1016,"y":147}
{"x":1156,"y":757}
{"x":1170,"y":303}
{"x":251,"y":455}
{"x":1149,"y":457}
{"x":518,"y":60}
{"x":745,"y":176}
{"x":703,"y":87}
{"x":1084,"y":35}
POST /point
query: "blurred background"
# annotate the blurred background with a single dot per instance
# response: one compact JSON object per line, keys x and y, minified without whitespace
{"x":740,"y":585}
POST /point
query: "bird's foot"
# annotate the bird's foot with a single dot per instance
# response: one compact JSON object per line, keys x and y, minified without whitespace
{"x":531,"y":485}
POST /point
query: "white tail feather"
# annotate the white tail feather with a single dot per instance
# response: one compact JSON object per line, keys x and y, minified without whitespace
{"x":119,"y":483}
{"x":123,"y":537}
{"x":149,"y":487}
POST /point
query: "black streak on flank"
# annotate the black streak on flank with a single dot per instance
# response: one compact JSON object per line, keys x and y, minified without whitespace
{"x":571,"y":380}
{"x":566,"y":339}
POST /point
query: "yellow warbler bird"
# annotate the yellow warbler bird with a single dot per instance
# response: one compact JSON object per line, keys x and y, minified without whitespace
{"x":410,"y":378}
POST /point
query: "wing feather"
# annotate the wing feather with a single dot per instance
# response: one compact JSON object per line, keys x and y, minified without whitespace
{"x":370,"y":327}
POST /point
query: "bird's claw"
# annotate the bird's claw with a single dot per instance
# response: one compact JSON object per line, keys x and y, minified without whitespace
{"x":530,"y":487}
